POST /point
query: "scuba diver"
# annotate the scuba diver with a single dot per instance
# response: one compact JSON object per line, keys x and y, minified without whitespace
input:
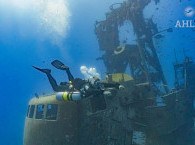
{"x":64,"y":86}
{"x":85,"y":87}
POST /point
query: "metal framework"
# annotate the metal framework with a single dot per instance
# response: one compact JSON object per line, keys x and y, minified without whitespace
{"x":141,"y":58}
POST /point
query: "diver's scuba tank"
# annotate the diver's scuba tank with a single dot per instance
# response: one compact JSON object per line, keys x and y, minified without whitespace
{"x":68,"y":96}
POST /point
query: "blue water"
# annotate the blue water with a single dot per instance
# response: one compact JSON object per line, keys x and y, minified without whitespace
{"x":23,"y":43}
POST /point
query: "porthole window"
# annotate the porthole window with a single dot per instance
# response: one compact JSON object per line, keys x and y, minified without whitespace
{"x":28,"y":110}
{"x":39,"y":112}
{"x":52,"y":110}
{"x":32,"y":109}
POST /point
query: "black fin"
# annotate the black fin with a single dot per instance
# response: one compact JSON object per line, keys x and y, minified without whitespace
{"x":47,"y":71}
{"x":59,"y":65}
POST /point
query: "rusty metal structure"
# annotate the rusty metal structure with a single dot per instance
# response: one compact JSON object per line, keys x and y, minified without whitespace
{"x":141,"y":58}
{"x":144,"y":112}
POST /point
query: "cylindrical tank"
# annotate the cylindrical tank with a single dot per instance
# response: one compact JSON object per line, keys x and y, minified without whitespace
{"x":68,"y":96}
{"x":51,"y":122}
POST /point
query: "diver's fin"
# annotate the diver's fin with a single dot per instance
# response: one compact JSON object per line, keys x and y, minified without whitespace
{"x":47,"y":71}
{"x":59,"y":65}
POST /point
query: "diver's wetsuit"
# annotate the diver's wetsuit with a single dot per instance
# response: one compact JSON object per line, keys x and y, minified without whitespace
{"x":85,"y":87}
{"x":64,"y":86}
{"x":70,"y":76}
{"x":57,"y":88}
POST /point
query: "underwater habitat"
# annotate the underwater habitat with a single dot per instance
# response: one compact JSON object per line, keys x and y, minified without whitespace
{"x":97,"y":72}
